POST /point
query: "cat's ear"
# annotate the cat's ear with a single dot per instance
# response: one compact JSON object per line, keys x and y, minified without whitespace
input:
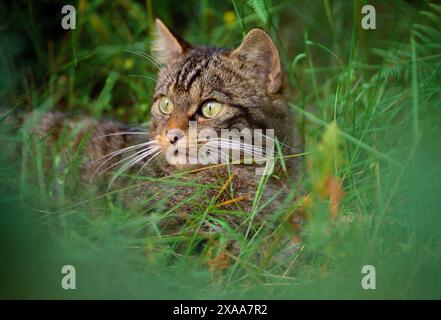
{"x":166,"y":45}
{"x":258,"y":47}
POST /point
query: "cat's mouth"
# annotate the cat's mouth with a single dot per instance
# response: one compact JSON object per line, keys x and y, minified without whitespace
{"x":181,"y":152}
{"x":184,"y":153}
{"x":207,"y":151}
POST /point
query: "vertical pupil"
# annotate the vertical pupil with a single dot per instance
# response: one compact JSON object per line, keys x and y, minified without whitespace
{"x":165,"y":105}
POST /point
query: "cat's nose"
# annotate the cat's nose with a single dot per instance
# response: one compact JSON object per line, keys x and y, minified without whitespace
{"x":174,"y":135}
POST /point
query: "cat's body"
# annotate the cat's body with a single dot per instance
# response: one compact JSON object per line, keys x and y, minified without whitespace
{"x":244,"y":86}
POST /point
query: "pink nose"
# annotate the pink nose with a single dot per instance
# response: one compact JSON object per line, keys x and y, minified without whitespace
{"x":174,"y":135}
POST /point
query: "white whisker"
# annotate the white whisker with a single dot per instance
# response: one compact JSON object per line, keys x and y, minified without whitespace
{"x":137,"y":157}
{"x":123,"y":150}
{"x":151,"y":158}
{"x":281,"y":143}
{"x":132,"y":163}
{"x":122,"y":133}
{"x":118,"y":152}
{"x":138,"y":153}
{"x":235,"y":145}
{"x":146,"y":56}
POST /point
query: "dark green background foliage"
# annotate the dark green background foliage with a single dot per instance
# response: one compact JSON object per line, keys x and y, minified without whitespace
{"x":382,"y":88}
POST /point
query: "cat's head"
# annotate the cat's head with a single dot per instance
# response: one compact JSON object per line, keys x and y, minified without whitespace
{"x":218,"y":88}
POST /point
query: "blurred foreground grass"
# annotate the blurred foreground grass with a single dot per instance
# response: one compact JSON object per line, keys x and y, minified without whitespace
{"x":381,"y":88}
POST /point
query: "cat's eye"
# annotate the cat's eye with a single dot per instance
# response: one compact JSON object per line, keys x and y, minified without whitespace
{"x":211,"y":109}
{"x":165,"y":105}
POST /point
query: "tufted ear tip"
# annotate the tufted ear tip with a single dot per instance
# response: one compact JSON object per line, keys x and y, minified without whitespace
{"x":258,"y":47}
{"x":166,"y":45}
{"x":161,"y":28}
{"x":158,"y":22}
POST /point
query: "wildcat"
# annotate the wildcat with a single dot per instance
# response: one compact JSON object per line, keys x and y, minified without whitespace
{"x":215,"y":87}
